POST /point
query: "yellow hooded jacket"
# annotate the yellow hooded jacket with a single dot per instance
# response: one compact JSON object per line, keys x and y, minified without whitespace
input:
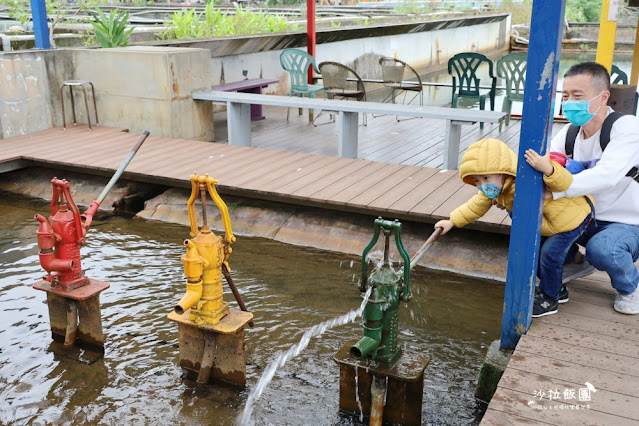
{"x":491,"y":156}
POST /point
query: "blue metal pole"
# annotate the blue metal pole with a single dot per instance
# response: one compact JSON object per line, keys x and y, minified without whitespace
{"x":536,"y":130}
{"x":40,"y":24}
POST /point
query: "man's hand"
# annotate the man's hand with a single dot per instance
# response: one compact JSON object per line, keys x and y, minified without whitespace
{"x":445,"y":224}
{"x":539,"y":163}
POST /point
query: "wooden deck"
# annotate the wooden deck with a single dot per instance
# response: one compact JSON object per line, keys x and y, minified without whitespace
{"x":395,"y":190}
{"x":587,"y":341}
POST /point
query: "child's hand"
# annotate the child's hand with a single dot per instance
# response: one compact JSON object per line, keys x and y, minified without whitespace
{"x":538,"y":162}
{"x":445,"y":224}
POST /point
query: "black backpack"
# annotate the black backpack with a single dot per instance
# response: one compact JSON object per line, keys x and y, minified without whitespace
{"x":604,"y":139}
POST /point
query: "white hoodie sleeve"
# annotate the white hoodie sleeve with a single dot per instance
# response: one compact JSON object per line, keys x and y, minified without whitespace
{"x":621,"y":154}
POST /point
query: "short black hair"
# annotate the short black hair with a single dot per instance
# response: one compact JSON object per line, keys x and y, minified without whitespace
{"x":598,"y":72}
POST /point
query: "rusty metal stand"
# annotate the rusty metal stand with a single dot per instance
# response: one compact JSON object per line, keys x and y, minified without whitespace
{"x":214,"y":351}
{"x":74,"y":315}
{"x":405,"y":384}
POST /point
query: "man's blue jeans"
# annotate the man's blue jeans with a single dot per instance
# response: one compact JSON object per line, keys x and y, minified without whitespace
{"x":552,"y":255}
{"x":613,"y":248}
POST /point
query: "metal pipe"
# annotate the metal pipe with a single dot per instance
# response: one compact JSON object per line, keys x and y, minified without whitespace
{"x":72,"y":323}
{"x":235,"y":291}
{"x":203,"y":201}
{"x":364,"y":347}
{"x":425,"y":247}
{"x":378,"y":395}
{"x":386,"y":247}
{"x":123,"y":166}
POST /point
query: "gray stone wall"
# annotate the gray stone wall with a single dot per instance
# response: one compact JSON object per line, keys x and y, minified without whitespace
{"x":25,"y":96}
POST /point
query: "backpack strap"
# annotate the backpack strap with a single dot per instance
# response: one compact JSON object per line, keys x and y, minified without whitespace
{"x":604,"y":136}
{"x":606,"y":127}
{"x":571,"y":136}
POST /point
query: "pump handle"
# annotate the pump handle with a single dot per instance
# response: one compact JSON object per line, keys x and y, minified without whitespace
{"x":425,"y":247}
{"x":123,"y":166}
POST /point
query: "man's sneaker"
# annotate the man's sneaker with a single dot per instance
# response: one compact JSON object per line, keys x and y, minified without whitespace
{"x":628,"y":303}
{"x":544,"y":305}
{"x":563,"y":295}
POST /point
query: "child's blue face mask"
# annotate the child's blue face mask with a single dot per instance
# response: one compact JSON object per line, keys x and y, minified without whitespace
{"x":578,"y":112}
{"x":491,"y":190}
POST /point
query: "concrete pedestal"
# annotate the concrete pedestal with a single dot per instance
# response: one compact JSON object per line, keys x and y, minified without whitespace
{"x":89,"y":319}
{"x":218,"y":347}
{"x":403,"y":393}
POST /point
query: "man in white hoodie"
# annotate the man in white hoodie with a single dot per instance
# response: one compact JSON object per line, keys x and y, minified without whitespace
{"x":612,"y":240}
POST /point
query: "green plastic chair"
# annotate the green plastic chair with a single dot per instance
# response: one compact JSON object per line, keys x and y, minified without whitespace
{"x":512,"y":68}
{"x":296,"y":63}
{"x":464,"y":66}
{"x":617,"y":76}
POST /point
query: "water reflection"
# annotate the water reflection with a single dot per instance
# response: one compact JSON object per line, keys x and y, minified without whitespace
{"x":288,"y":288}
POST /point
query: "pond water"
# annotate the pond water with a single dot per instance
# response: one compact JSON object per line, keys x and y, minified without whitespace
{"x":452,"y":319}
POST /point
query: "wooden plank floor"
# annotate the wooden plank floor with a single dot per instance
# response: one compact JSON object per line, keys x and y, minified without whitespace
{"x":415,"y":142}
{"x":586,"y":342}
{"x":393,"y":190}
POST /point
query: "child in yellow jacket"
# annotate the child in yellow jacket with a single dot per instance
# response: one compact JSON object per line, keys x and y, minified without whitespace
{"x":491,"y":166}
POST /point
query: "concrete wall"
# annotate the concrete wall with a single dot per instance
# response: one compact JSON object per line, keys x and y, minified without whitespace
{"x":25,"y":97}
{"x":427,"y":46}
{"x":139,"y":88}
{"x":425,"y":51}
{"x":149,"y":88}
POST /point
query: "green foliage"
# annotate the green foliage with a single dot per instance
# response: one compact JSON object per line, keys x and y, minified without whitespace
{"x":411,"y":7}
{"x":18,"y":10}
{"x":111,"y":31}
{"x":214,"y":23}
{"x":336,"y":24}
{"x":521,"y":12}
{"x":185,"y":24}
{"x":583,"y":10}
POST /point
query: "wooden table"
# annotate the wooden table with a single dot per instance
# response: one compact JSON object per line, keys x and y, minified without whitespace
{"x":251,"y":85}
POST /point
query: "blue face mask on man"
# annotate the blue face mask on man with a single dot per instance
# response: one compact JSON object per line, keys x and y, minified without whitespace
{"x":491,"y":190}
{"x":578,"y":112}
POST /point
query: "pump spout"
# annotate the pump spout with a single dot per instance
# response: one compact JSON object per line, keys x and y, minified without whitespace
{"x":193,"y":268}
{"x":365,"y":347}
{"x":46,"y":242}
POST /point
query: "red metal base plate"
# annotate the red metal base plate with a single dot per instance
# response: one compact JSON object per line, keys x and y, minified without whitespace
{"x":81,"y":293}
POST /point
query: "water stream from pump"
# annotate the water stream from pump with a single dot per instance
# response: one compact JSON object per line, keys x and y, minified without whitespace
{"x":295,"y":350}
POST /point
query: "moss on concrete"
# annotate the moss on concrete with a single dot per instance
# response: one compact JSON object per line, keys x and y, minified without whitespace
{"x":491,"y":371}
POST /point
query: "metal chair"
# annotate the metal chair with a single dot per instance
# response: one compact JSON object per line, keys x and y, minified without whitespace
{"x":465,"y":66}
{"x":296,"y":63}
{"x":401,"y":77}
{"x":82,"y":83}
{"x":512,"y":68}
{"x":337,"y":85}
